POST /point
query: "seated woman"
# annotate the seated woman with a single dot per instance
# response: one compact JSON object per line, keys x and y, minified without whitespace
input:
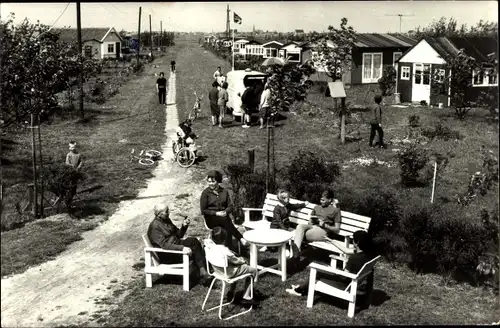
{"x":326,"y":221}
{"x":364,"y":252}
{"x":216,"y":205}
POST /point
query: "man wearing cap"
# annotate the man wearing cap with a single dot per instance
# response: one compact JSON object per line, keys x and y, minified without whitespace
{"x":164,"y":234}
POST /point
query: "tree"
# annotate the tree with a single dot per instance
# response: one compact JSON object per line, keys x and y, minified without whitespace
{"x":459,"y":80}
{"x":36,"y":65}
{"x":335,"y":56}
{"x":288,"y":83}
{"x":449,"y":28}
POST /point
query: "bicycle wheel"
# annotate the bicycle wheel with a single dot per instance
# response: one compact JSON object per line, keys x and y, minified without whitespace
{"x":185,"y":157}
{"x":176,"y":147}
{"x":146,"y":161}
{"x":153,"y":153}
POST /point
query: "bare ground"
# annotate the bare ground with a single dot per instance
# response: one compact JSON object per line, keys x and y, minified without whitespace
{"x":92,"y":274}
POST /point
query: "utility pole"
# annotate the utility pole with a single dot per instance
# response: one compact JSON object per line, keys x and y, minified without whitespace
{"x":139,"y":37}
{"x":227,"y":23}
{"x":400,"y":19}
{"x":80,"y":76}
{"x":151,"y":32}
{"x":33,"y":163}
{"x":161,"y":35}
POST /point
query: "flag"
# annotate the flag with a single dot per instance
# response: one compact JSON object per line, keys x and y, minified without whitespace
{"x":237,"y":19}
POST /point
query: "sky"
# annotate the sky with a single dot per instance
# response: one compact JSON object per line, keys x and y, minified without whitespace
{"x":282,"y":16}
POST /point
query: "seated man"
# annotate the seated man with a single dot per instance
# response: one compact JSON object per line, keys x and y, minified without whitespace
{"x":326,"y":221}
{"x":364,"y":252}
{"x":237,"y":266}
{"x":164,"y":234}
{"x":185,"y":132}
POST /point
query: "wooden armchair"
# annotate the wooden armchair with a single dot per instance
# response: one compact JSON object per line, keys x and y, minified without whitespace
{"x":348,"y":294}
{"x":153,"y":265}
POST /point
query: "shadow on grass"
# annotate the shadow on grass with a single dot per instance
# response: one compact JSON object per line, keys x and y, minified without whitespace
{"x":86,"y":210}
{"x":130,"y":197}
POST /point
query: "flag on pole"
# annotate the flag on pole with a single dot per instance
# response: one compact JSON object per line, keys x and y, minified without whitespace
{"x":237,"y":19}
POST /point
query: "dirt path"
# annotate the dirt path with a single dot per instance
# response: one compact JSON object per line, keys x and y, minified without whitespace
{"x":66,"y":291}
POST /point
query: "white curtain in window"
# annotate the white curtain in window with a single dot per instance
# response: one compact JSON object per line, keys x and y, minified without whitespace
{"x":367,"y":66}
{"x":377,"y":66}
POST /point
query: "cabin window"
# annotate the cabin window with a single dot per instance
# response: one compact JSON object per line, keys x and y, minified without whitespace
{"x":111,"y":47}
{"x":396,"y":56}
{"x":439,"y":75}
{"x":294,"y":57}
{"x":88,"y":51}
{"x":485,"y":77}
{"x":405,"y":73}
{"x":372,"y":67}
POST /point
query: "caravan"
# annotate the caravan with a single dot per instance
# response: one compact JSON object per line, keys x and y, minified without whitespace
{"x":237,"y":81}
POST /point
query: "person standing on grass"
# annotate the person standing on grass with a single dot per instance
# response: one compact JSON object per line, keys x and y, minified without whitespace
{"x":217,"y":74}
{"x":326,"y":221}
{"x":265,"y":105}
{"x":213,"y":96}
{"x":246,"y":105}
{"x":172,"y":66}
{"x":376,"y":123}
{"x":74,"y":160}
{"x":237,"y":265}
{"x":161,"y":88}
{"x":164,"y":234}
{"x":364,"y":252}
{"x":222,"y":101}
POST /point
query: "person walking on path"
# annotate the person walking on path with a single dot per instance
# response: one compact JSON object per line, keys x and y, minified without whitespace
{"x":161,"y":88}
{"x":172,"y":66}
{"x":213,"y":96}
{"x":376,"y":123}
{"x":222,"y":101}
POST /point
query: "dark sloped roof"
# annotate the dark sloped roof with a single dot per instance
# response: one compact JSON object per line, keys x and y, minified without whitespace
{"x":94,"y":33}
{"x":387,"y":40}
{"x":477,"y":47}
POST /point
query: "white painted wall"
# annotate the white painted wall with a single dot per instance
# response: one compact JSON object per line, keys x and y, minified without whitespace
{"x":422,"y":53}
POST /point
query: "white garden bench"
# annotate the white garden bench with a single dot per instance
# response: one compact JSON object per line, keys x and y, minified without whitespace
{"x":349,"y":223}
{"x":153,"y":265}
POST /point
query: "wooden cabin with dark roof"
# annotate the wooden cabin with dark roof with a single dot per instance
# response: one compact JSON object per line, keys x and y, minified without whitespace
{"x":98,"y":43}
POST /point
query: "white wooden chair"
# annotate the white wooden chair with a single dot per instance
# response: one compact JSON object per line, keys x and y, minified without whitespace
{"x":153,"y":265}
{"x":220,"y":260}
{"x":348,"y":294}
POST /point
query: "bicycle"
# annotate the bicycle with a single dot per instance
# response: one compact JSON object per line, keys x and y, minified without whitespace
{"x":195,"y":111}
{"x":146,"y":157}
{"x":184,"y":155}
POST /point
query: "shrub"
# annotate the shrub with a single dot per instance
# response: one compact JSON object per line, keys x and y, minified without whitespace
{"x":387,"y":82}
{"x":442,"y":239}
{"x":307,"y":171}
{"x":58,"y":179}
{"x":414,"y":121}
{"x":441,"y":131}
{"x":411,"y":160}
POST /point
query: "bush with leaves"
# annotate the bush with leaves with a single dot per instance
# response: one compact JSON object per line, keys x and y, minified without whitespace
{"x":59,"y":178}
{"x":308,"y":173}
{"x":411,"y":160}
{"x":387,"y":82}
{"x":443,"y":239}
{"x":442,"y":132}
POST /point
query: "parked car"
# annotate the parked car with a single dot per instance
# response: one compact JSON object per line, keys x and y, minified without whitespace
{"x":237,"y":81}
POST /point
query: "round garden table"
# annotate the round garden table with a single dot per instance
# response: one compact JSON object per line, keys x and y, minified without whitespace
{"x":270,"y":238}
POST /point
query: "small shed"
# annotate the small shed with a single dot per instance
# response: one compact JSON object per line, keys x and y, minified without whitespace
{"x":428,"y":58}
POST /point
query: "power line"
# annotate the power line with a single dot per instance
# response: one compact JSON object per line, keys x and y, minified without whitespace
{"x":60,"y":15}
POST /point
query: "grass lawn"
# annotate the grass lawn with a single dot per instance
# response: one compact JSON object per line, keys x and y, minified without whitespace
{"x":130,"y":119}
{"x":401,"y":296}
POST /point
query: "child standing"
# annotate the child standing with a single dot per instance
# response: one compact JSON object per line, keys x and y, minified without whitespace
{"x":376,"y":123}
{"x":237,"y":266}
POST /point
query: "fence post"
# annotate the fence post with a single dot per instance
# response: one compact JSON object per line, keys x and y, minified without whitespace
{"x":251,"y":160}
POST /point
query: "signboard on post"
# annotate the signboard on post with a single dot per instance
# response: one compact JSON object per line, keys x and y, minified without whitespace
{"x":336,"y":89}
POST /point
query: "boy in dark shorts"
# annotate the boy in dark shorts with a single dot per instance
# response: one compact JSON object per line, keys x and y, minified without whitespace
{"x":161,"y":87}
{"x":376,"y":123}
